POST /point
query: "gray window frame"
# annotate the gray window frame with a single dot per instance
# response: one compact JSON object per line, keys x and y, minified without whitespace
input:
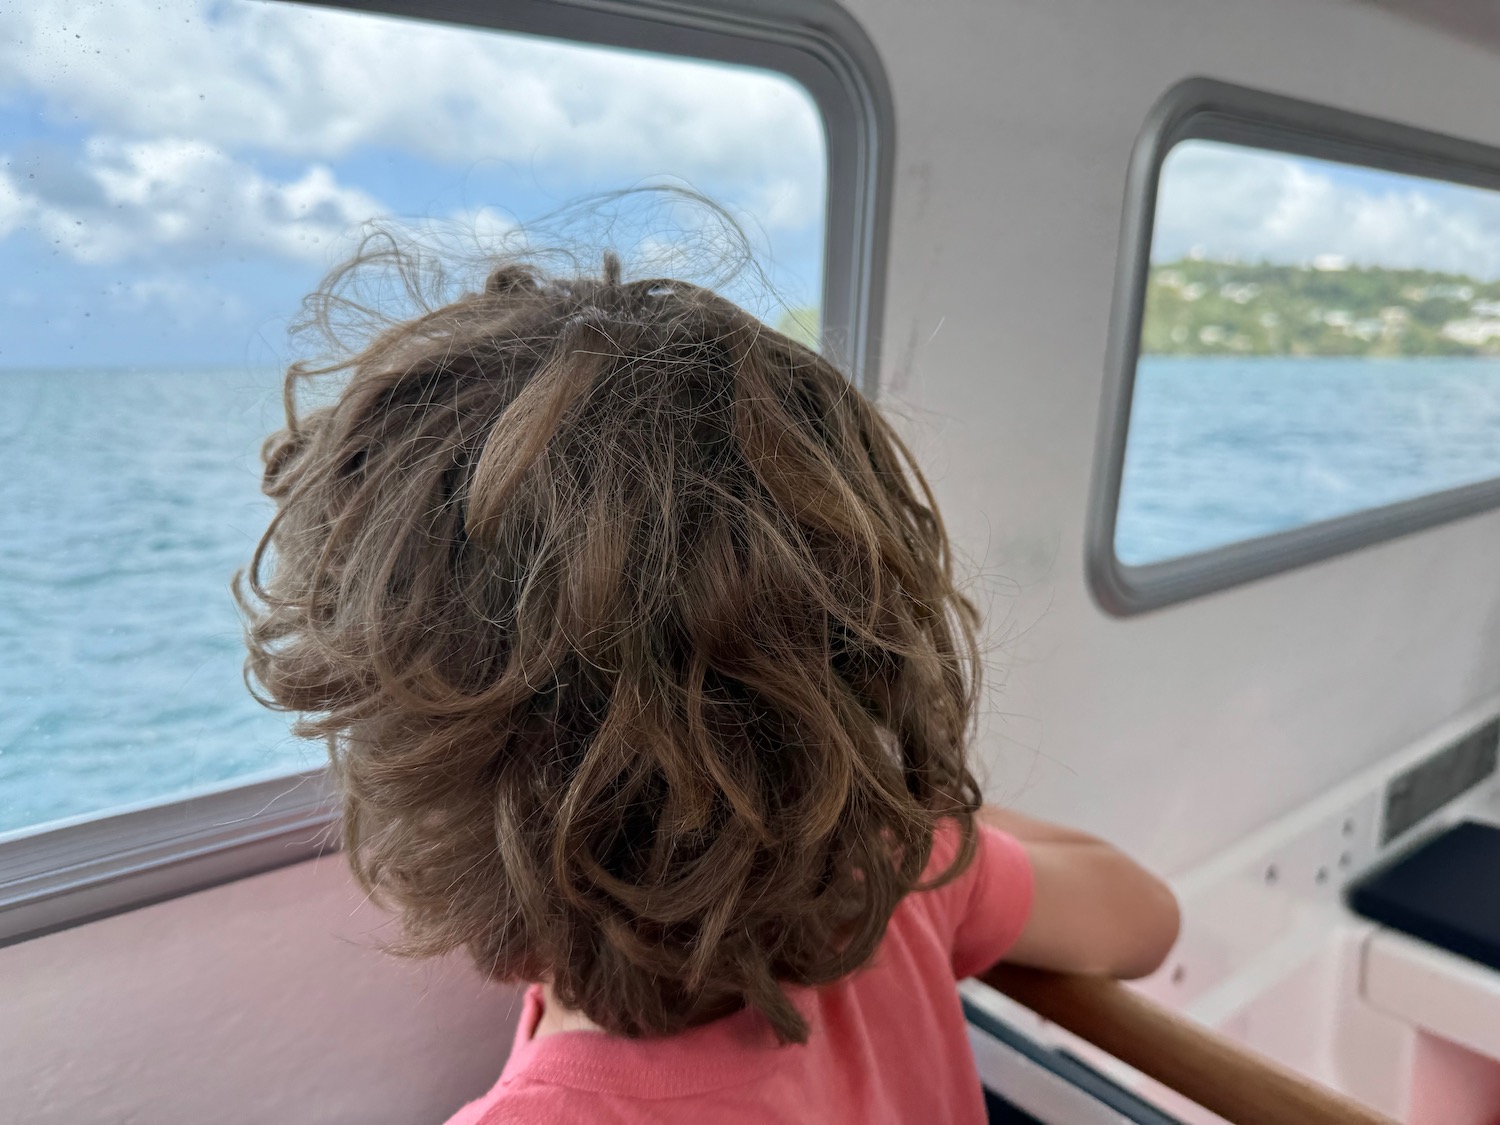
{"x":62,"y":874}
{"x":1205,"y":109}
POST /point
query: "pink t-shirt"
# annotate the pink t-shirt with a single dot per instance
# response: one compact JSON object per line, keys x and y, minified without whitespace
{"x":886,"y":1044}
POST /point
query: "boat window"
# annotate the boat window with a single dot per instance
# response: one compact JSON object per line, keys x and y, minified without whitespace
{"x":174,"y":177}
{"x":1314,"y":358}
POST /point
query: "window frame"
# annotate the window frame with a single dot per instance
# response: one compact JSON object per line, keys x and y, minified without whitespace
{"x":1206,"y":109}
{"x":61,"y":874}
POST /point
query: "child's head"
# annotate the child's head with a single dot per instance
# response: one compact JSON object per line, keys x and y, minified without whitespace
{"x":633,"y":633}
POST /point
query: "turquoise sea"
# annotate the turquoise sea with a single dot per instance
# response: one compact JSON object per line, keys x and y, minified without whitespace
{"x":129,"y":498}
{"x":1224,"y":449}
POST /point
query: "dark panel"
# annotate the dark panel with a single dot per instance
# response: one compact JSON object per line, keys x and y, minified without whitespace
{"x":1446,"y":892}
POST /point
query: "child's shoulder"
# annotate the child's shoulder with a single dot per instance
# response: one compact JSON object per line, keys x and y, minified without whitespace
{"x":519,"y":1100}
{"x":525,"y":1103}
{"x":980,"y":913}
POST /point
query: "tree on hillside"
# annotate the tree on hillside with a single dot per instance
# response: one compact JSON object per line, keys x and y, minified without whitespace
{"x":1199,"y":307}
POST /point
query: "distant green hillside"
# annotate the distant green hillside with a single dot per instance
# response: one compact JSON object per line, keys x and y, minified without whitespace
{"x":1196,"y":307}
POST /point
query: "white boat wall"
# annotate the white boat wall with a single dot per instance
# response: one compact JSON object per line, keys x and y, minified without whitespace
{"x":1250,"y":729}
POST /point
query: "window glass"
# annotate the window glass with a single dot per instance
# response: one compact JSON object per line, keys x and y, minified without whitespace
{"x":1318,"y":339}
{"x":173,"y":177}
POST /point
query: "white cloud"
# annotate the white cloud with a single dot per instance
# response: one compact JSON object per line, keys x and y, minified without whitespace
{"x":186,"y":301}
{"x":15,"y":207}
{"x":786,"y":202}
{"x":488,"y":226}
{"x":1232,"y":202}
{"x":187,"y":198}
{"x":315,"y":84}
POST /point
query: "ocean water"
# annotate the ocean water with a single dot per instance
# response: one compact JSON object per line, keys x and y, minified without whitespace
{"x":1226,"y":449}
{"x":128,"y":499}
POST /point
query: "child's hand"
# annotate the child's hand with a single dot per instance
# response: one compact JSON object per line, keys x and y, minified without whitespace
{"x":1094,"y":910}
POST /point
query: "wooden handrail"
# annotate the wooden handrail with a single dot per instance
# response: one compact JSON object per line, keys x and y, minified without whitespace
{"x":1203,"y":1066}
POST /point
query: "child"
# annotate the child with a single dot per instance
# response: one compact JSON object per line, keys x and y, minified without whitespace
{"x":634,"y":635}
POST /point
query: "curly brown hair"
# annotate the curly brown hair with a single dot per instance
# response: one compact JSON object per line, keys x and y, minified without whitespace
{"x":633,"y":633}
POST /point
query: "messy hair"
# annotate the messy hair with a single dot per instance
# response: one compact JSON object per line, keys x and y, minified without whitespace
{"x":633,"y":633}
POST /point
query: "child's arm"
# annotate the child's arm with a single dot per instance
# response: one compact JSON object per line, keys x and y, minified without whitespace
{"x":1094,"y":910}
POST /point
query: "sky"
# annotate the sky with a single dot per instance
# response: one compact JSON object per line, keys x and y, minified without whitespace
{"x":174,"y":176}
{"x":1227,"y":201}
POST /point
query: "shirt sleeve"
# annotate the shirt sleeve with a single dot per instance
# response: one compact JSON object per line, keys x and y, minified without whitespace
{"x":988,"y":905}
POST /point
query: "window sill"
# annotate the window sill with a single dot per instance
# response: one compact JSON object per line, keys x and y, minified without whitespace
{"x":69,"y":872}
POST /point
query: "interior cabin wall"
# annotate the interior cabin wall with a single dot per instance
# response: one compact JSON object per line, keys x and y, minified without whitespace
{"x":1175,"y":732}
{"x":267,"y":1001}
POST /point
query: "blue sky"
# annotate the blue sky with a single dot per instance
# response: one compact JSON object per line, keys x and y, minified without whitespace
{"x":1227,"y":201}
{"x":174,"y":177}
